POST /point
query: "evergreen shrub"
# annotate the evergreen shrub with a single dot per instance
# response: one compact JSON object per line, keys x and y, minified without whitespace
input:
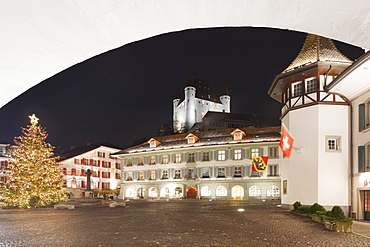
{"x":296,"y":205}
{"x":317,"y":207}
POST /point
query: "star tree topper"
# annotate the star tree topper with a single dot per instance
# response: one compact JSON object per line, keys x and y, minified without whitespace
{"x":34,"y":119}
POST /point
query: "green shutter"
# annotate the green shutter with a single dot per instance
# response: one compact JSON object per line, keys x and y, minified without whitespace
{"x":361,"y":117}
{"x":361,"y":158}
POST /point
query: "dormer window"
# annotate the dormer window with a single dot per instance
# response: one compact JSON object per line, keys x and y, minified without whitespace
{"x":153,"y":143}
{"x":238,"y":134}
{"x":191,"y":138}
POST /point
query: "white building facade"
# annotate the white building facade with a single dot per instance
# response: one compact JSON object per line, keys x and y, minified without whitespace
{"x":198,"y":100}
{"x":318,"y":170}
{"x":203,"y":165}
{"x":105,"y":170}
{"x":354,"y":84}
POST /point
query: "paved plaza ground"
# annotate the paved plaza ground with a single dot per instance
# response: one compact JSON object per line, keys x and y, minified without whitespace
{"x":169,"y":223}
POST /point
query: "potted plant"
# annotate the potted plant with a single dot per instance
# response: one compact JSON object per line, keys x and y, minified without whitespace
{"x":335,"y":220}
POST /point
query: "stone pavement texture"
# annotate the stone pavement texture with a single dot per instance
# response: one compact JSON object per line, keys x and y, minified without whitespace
{"x":170,"y":223}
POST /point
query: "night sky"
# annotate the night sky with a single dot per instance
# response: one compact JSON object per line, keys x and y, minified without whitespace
{"x":122,"y":95}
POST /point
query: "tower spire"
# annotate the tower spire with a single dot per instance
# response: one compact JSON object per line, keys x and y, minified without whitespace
{"x":317,"y":48}
{"x":225,"y":90}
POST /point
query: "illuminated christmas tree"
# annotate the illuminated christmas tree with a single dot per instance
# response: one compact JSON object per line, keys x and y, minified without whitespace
{"x":34,"y":178}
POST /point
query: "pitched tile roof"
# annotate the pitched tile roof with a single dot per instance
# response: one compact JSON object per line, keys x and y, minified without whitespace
{"x":317,"y":48}
{"x":208,"y":138}
{"x":83,"y":149}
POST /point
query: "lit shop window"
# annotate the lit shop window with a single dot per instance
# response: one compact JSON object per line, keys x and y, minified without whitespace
{"x":273,"y":191}
{"x":205,"y":191}
{"x":255,"y":191}
{"x":221,"y":191}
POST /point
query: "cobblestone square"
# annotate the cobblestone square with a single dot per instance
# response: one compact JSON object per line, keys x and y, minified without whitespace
{"x":168,"y":223}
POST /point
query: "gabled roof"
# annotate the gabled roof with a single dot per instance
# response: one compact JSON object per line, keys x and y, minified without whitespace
{"x":84,"y":149}
{"x":317,"y":48}
{"x":208,"y":138}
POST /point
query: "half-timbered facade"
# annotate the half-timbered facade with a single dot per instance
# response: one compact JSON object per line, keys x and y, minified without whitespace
{"x":317,"y":170}
{"x":206,"y":165}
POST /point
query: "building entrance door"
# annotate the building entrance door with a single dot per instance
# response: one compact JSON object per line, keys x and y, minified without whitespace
{"x":367,"y":205}
{"x":191,"y":192}
{"x":140,"y":192}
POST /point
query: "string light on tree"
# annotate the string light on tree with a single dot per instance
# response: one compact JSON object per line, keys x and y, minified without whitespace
{"x":35,"y":177}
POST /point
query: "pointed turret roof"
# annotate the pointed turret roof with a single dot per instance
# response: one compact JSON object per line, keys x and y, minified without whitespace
{"x":225,"y":90}
{"x":317,"y":48}
{"x":178,"y":93}
{"x":190,"y":81}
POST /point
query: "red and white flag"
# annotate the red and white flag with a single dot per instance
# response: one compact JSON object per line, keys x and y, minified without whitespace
{"x":286,"y":141}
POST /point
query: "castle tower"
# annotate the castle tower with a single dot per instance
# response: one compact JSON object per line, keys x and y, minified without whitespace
{"x":225,"y":99}
{"x":318,"y":169}
{"x":190,"y":91}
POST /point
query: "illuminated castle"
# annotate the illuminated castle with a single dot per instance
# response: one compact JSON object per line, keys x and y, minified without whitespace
{"x":199,"y":99}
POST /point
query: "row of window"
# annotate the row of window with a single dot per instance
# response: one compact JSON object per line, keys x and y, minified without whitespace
{"x":82,"y":184}
{"x":308,"y":86}
{"x":97,"y":163}
{"x":221,"y":155}
{"x":82,"y":172}
{"x":192,"y":173}
{"x":206,"y":191}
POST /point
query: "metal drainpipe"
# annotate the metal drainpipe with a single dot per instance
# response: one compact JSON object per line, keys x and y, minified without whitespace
{"x":351,"y":157}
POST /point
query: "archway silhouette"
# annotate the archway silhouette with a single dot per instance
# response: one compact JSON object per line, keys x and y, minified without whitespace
{"x":42,"y":38}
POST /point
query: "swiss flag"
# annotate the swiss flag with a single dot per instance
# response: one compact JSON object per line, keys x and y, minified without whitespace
{"x":286,"y":141}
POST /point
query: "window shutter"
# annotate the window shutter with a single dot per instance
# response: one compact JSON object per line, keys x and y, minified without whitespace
{"x":227,"y":154}
{"x":171,"y":158}
{"x":75,"y":161}
{"x":108,"y":174}
{"x":212,"y":155}
{"x":183,"y":157}
{"x":243,"y":153}
{"x":197,"y":156}
{"x":108,"y":185}
{"x":65,"y":171}
{"x":98,"y":174}
{"x":109,"y":165}
{"x":361,"y":117}
{"x":229,"y":172}
{"x":98,"y":163}
{"x":248,"y":170}
{"x":248,"y":153}
{"x":261,"y":152}
{"x":361,"y":158}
